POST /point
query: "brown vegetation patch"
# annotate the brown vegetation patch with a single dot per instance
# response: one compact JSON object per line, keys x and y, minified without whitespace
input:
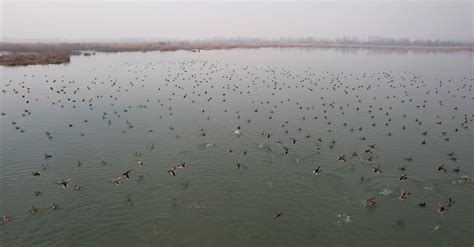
{"x":22,"y":59}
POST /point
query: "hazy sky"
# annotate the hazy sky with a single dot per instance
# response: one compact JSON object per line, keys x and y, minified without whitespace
{"x":88,"y":20}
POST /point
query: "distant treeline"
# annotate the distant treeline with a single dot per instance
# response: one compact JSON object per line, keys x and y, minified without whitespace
{"x":371,"y":40}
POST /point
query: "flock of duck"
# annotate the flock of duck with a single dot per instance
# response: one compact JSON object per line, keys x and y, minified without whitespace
{"x":270,"y":91}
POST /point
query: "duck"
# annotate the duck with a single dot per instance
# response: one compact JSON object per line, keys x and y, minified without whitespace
{"x":403,"y":177}
{"x":126,"y":174}
{"x":277,"y":215}
{"x":6,"y":218}
{"x":341,"y":158}
{"x":293,"y":140}
{"x":441,"y":168}
{"x":404,"y":195}
{"x":317,"y":170}
{"x":450,"y":202}
{"x":116,"y":181}
{"x":441,"y":208}
{"x":64,"y":183}
{"x":238,"y":132}
{"x":377,"y":169}
{"x":371,"y":202}
{"x":172,"y":171}
{"x":182,"y":165}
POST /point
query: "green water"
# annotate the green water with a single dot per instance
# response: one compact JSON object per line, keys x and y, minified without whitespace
{"x":169,"y":97}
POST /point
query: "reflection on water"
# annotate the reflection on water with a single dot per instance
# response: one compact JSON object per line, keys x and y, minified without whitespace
{"x":217,"y":142}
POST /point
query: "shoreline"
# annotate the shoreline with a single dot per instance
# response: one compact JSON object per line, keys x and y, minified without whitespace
{"x":22,"y":54}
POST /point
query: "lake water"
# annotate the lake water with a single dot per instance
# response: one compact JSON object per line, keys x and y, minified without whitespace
{"x":110,"y":111}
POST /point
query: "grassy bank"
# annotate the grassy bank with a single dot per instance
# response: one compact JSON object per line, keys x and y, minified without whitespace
{"x":20,"y":59}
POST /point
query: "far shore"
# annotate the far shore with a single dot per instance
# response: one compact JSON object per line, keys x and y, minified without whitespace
{"x":21,"y":54}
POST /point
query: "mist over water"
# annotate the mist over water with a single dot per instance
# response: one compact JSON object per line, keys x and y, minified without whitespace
{"x":76,"y":21}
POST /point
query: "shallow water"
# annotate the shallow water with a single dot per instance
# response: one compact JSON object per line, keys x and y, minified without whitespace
{"x":211,"y":202}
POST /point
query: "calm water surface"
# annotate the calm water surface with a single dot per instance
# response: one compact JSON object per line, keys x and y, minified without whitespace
{"x":110,"y":110}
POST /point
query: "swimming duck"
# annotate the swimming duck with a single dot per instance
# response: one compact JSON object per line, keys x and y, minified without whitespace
{"x":404,"y":195}
{"x":377,"y":169}
{"x":451,"y":202}
{"x":441,"y":208}
{"x":182,"y":165}
{"x":317,"y":170}
{"x":6,"y":218}
{"x":116,"y":181}
{"x":371,"y":202}
{"x":441,"y":168}
{"x":293,"y":140}
{"x":126,"y":174}
{"x":64,"y":183}
{"x":277,"y":215}
{"x":370,"y":159}
{"x":172,"y":171}
{"x":341,"y":158}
